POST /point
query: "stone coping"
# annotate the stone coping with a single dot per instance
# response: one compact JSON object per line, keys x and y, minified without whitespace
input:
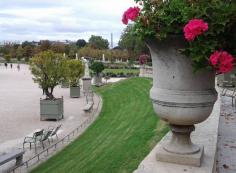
{"x":205,"y":134}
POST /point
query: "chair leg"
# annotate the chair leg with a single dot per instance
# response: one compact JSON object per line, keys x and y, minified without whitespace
{"x":57,"y":137}
{"x":30,"y":145}
{"x":42,"y":144}
{"x":49,"y":141}
{"x":35,"y":148}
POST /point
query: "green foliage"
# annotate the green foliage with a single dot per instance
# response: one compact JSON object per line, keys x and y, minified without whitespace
{"x":45,"y":45}
{"x":98,"y":42}
{"x":97,"y":53}
{"x":119,"y":139}
{"x":75,"y":70}
{"x":72,"y":52}
{"x":28,"y":52}
{"x":81,"y":43}
{"x":19,"y":53}
{"x":7,"y":57}
{"x":97,"y":67}
{"x":49,"y":70}
{"x":58,"y":47}
{"x":161,"y":19}
{"x":130,"y":42}
{"x":120,"y":73}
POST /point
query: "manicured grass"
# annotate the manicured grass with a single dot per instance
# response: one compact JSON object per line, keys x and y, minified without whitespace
{"x":124,"y":71}
{"x":124,"y":133}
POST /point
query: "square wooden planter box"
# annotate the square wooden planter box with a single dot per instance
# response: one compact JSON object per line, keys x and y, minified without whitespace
{"x":75,"y":92}
{"x":51,"y":109}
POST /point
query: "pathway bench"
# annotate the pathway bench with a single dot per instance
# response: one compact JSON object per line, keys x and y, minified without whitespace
{"x":15,"y":154}
{"x":88,"y":107}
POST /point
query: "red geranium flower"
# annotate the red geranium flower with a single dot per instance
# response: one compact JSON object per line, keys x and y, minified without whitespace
{"x":131,"y":14}
{"x":194,"y":28}
{"x":222,"y":61}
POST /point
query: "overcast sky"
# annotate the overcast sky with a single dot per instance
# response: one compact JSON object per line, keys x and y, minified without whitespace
{"x":61,"y":19}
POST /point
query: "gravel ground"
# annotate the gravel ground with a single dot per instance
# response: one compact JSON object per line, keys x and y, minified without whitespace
{"x":226,"y":156}
{"x":19,"y":109}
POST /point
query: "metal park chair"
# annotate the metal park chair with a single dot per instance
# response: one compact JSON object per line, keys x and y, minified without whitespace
{"x":54,"y":131}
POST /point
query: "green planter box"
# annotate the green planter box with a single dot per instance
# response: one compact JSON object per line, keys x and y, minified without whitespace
{"x":51,"y":109}
{"x":75,"y":92}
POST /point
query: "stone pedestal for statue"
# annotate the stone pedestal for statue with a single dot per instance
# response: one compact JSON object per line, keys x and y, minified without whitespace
{"x":87,"y":80}
{"x":86,"y":84}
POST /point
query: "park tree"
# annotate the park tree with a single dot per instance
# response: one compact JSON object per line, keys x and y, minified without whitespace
{"x":27,"y":43}
{"x":58,"y":47}
{"x":98,"y":42}
{"x":134,"y":45}
{"x":28,"y":52}
{"x":97,"y":67}
{"x":12,"y":52}
{"x":74,"y":72}
{"x":81,"y":43}
{"x":6,"y":48}
{"x":49,"y":70}
{"x":7,"y":57}
{"x":72,"y":51}
{"x":19,"y":53}
{"x":45,"y":45}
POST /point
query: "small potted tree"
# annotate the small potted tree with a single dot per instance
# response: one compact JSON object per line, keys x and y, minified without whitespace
{"x":97,"y":68}
{"x":74,"y":72}
{"x":49,"y":69}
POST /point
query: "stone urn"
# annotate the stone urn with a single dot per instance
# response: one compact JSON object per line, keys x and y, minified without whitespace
{"x":97,"y":80}
{"x":180,"y":96}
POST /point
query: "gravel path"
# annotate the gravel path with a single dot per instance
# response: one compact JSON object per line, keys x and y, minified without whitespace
{"x":226,"y":156}
{"x":19,"y":109}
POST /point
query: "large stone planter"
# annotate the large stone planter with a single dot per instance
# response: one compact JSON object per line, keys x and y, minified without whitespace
{"x":97,"y":80}
{"x":51,"y":109}
{"x":180,"y":97}
{"x":75,"y":92}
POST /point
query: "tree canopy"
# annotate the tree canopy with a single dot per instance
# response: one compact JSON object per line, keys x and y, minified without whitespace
{"x":49,"y":70}
{"x":132,"y":43}
{"x":98,"y":42}
{"x":81,"y":43}
{"x":75,"y":70}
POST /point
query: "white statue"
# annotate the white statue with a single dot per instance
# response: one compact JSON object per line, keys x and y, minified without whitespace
{"x":86,"y":69}
{"x":103,"y":58}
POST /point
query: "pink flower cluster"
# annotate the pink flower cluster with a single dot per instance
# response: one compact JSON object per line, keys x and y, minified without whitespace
{"x":131,"y":14}
{"x":194,"y":28}
{"x":222,"y":61}
{"x":143,"y":59}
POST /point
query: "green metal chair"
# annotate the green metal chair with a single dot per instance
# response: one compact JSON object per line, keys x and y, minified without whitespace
{"x":37,"y":136}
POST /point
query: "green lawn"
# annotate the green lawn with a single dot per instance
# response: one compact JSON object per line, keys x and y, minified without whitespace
{"x":124,"y":133}
{"x":117,"y":71}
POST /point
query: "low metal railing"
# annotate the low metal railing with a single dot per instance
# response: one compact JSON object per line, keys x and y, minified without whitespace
{"x":36,"y":159}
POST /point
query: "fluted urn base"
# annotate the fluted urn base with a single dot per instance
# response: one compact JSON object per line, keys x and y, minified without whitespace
{"x":180,"y":142}
{"x":179,"y":148}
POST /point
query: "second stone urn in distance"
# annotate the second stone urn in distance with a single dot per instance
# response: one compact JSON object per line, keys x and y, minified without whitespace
{"x":180,"y":97}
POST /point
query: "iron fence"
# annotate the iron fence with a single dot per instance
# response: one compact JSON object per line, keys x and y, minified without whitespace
{"x":41,"y":155}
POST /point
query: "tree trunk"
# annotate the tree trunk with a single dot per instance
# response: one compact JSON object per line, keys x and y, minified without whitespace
{"x":49,"y":94}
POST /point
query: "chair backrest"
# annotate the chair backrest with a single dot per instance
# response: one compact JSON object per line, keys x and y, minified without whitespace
{"x":46,"y":135}
{"x":55,"y":130}
{"x":38,"y":134}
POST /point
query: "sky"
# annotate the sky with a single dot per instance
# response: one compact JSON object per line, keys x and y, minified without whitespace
{"x":36,"y":20}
